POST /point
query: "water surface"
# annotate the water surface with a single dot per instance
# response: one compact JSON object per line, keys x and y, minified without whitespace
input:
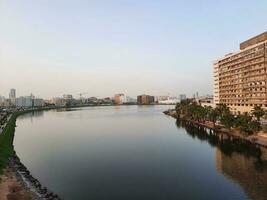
{"x":131,"y":152}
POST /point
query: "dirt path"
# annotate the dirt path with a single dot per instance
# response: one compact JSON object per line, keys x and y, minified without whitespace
{"x":11,"y":189}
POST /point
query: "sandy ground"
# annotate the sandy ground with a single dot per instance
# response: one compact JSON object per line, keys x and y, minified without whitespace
{"x":11,"y":189}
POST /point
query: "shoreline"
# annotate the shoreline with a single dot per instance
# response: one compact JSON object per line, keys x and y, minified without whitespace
{"x":28,"y":182}
{"x":14,"y":172}
{"x":15,"y":179}
{"x":258,"y":141}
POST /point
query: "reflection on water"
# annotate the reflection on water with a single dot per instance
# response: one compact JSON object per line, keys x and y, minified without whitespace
{"x":129,"y":152}
{"x":242,"y":162}
{"x":33,"y":115}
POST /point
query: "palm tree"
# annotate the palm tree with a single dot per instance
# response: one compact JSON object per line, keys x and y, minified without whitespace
{"x":258,"y":112}
{"x":227,"y":119}
{"x":222,"y":109}
{"x":213,"y":116}
{"x":243,"y":121}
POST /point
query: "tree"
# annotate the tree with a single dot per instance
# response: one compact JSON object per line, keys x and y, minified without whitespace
{"x":227,"y":119}
{"x":244,"y":122}
{"x":222,"y":109}
{"x":178,"y":109}
{"x":255,"y":126}
{"x":258,"y":112}
{"x":213,"y":116}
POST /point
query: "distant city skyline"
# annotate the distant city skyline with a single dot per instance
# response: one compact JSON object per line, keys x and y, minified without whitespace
{"x":51,"y":48}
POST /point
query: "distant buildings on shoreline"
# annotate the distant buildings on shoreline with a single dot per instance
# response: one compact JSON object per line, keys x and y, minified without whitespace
{"x":69,"y":100}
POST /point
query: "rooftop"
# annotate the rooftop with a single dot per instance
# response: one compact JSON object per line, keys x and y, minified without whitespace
{"x":255,"y":40}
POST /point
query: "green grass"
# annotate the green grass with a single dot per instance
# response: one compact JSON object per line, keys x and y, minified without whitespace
{"x":6,"y":139}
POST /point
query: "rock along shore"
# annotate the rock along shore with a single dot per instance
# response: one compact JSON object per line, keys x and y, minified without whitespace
{"x":28,"y":182}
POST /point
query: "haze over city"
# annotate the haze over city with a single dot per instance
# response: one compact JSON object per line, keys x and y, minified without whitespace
{"x":104,"y":47}
{"x":133,"y":99}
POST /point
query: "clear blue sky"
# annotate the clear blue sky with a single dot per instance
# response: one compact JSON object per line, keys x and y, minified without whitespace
{"x":51,"y":47}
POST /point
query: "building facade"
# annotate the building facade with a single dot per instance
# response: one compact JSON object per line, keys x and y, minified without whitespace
{"x":145,"y":99}
{"x":24,"y":102}
{"x":12,"y":94}
{"x":119,"y":99}
{"x":240,"y":78}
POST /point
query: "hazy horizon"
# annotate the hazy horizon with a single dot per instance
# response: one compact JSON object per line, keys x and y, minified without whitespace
{"x":50,"y":48}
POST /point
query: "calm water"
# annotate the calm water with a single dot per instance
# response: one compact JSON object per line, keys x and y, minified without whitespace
{"x":133,"y":152}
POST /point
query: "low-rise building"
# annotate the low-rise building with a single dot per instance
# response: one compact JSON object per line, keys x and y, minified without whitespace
{"x":169,"y":100}
{"x":58,"y":101}
{"x":145,"y":99}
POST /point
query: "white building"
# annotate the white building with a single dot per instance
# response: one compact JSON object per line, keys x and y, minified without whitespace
{"x":170,"y":100}
{"x":58,"y":101}
{"x":131,"y":100}
{"x":24,"y":102}
{"x":161,"y":98}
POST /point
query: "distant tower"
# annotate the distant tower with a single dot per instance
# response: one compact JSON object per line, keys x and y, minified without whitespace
{"x":12,"y":94}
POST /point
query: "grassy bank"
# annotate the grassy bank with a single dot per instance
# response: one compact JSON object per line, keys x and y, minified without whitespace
{"x":6,"y":141}
{"x":7,"y":136}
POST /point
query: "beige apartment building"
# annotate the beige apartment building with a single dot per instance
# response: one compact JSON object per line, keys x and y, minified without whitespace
{"x":240,"y":78}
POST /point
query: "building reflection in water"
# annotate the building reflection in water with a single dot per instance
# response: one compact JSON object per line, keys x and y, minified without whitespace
{"x":239,"y":161}
{"x":35,"y":115}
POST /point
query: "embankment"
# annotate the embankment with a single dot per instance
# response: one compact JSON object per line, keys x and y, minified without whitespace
{"x":9,"y":161}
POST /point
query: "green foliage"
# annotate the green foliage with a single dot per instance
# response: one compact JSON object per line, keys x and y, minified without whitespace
{"x":6,"y":139}
{"x":258,"y":112}
{"x":246,"y":124}
{"x":227,"y":119}
{"x":6,"y":142}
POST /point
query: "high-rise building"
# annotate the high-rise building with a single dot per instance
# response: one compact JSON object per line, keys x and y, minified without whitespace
{"x":12,"y":93}
{"x":240,"y":78}
{"x":145,"y":99}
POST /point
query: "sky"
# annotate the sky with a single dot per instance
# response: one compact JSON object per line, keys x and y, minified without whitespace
{"x":157,"y":47}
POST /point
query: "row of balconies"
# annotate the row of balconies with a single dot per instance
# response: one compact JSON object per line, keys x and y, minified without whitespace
{"x":242,"y":54}
{"x":250,"y":96}
{"x":241,"y":62}
{"x":235,"y":69}
{"x":260,"y":77}
{"x":242,"y":83}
